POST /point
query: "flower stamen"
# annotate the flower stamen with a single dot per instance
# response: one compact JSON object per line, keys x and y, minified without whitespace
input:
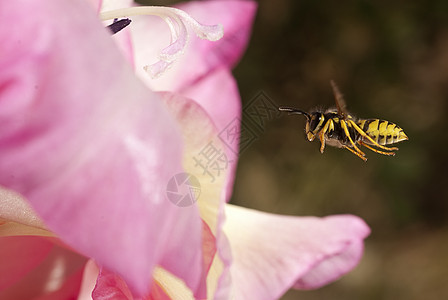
{"x":178,"y":21}
{"x":118,"y":25}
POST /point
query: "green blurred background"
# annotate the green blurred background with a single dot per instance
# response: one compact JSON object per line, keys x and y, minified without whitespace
{"x":390,"y":60}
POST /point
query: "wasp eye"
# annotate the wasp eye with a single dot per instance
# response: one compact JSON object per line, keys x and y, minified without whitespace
{"x":315,"y":121}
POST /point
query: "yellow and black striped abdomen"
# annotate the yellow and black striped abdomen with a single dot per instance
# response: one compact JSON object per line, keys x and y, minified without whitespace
{"x":381,"y":131}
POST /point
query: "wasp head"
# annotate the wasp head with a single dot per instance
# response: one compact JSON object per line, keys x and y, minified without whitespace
{"x":314,"y":124}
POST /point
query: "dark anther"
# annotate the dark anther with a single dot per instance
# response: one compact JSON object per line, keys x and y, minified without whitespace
{"x":118,"y":25}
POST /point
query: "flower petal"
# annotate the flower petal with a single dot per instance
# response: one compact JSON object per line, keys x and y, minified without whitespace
{"x":111,"y":286}
{"x":201,"y":144}
{"x":14,"y":208}
{"x":198,"y":131}
{"x":96,"y":4}
{"x":20,"y":256}
{"x":38,"y":268}
{"x":272,"y":253}
{"x":115,"y":4}
{"x":89,"y":279}
{"x":88,"y":144}
{"x":332,"y":267}
{"x":201,"y":56}
{"x":218,"y":94}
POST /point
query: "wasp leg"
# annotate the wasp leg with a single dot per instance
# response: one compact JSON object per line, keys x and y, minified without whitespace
{"x":344,"y":127}
{"x":356,"y":153}
{"x":322,"y":136}
{"x":322,"y":143}
{"x":363,"y":134}
{"x":375,"y":150}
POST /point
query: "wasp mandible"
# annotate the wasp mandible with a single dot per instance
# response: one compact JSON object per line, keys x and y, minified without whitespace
{"x":337,"y":127}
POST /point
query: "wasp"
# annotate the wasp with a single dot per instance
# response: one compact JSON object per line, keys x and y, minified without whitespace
{"x":338,"y":128}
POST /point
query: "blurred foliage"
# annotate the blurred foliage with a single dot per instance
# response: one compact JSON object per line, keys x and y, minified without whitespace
{"x":390,"y":59}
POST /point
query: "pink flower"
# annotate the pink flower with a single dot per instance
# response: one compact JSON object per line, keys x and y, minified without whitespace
{"x":91,"y":148}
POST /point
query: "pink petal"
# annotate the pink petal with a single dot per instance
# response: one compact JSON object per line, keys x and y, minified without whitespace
{"x":151,"y":35}
{"x":208,"y":246}
{"x":157,"y":293}
{"x":88,"y":145}
{"x":89,"y":279}
{"x":332,"y":267}
{"x":19,"y":256}
{"x":68,"y":290}
{"x":197,"y":130}
{"x":96,"y":4}
{"x":37,"y":268}
{"x":111,"y":286}
{"x":273,"y":253}
{"x":199,"y":133}
{"x":218,"y":94}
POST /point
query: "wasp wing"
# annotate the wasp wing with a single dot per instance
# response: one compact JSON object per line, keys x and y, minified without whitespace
{"x":339,"y":99}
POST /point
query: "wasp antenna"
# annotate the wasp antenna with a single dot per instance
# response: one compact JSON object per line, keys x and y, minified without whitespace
{"x":294,"y":111}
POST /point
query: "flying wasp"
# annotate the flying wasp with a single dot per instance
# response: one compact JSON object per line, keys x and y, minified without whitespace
{"x":338,"y":128}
